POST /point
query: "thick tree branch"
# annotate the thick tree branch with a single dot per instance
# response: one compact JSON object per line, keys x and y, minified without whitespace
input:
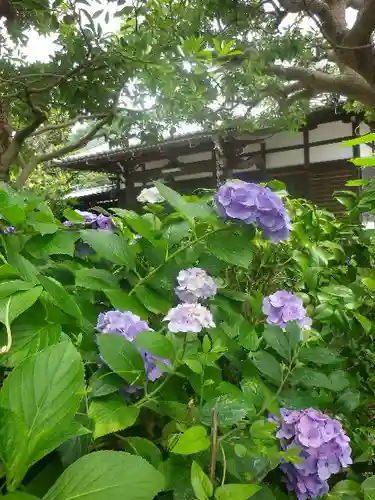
{"x":69,"y":148}
{"x":364,"y":25}
{"x":69,"y":123}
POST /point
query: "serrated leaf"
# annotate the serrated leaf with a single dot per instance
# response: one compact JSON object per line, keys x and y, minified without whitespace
{"x":125,"y":302}
{"x":155,"y":343}
{"x":152,"y":300}
{"x":10,"y":287}
{"x":18,"y":303}
{"x":110,"y":246}
{"x":105,"y":475}
{"x":229,"y":410}
{"x":146,"y":449}
{"x":319,"y":355}
{"x":235,"y":249}
{"x":281,"y":341}
{"x":267,"y":365}
{"x":95,"y":279}
{"x":122,"y":357}
{"x":44,"y":392}
{"x":368,"y":488}
{"x":193,"y":440}
{"x":60,"y":296}
{"x":111,"y":414}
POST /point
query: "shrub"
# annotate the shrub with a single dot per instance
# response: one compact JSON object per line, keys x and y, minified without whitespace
{"x":205,"y":348}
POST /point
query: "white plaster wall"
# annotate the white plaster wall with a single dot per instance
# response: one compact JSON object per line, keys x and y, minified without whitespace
{"x":252,"y":148}
{"x":330,"y":152}
{"x":364,"y":150}
{"x":198,"y":175}
{"x":284,"y":139}
{"x":285,"y":159}
{"x":195,"y":157}
{"x":156,"y":164}
{"x":331,"y":130}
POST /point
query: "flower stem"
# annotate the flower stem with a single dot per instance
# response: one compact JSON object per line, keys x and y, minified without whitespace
{"x":6,"y":348}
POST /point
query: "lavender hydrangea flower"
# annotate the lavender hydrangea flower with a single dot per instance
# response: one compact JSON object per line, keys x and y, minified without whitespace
{"x":129,"y":325}
{"x":122,"y":323}
{"x":189,"y":318}
{"x":9,"y":230}
{"x":194,"y":284}
{"x":325,"y":450}
{"x":284,"y":306}
{"x":103,"y":222}
{"x":249,"y":202}
{"x":89,"y":217}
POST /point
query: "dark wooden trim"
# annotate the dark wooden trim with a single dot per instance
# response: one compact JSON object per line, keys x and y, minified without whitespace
{"x":325,"y":142}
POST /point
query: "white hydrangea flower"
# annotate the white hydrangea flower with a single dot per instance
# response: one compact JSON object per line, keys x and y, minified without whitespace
{"x":189,"y":318}
{"x":150,"y":195}
{"x":194,"y":284}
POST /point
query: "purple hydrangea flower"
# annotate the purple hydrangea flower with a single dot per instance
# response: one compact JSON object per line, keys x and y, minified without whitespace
{"x":194,"y":284}
{"x":154,"y":370}
{"x":249,"y":202}
{"x":67,"y":223}
{"x":325,"y":450}
{"x":89,"y":217}
{"x":103,"y":222}
{"x":9,"y":230}
{"x":129,"y":325}
{"x":189,"y":318}
{"x":122,"y":323}
{"x":284,"y":306}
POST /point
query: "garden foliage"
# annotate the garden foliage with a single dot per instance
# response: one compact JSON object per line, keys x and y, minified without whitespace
{"x":214,"y":347}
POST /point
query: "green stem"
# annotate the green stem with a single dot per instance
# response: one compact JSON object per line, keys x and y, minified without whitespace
{"x":149,"y":396}
{"x":170,"y":257}
{"x":6,"y":348}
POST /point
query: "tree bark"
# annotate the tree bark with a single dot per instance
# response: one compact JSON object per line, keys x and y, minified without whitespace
{"x":5,"y":139}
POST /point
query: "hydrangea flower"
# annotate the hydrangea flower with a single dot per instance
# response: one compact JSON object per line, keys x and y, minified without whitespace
{"x":89,"y":217}
{"x":249,"y":202}
{"x":194,"y":284}
{"x":9,"y":230}
{"x":284,"y":306}
{"x":189,"y":318}
{"x":325,"y":450}
{"x":150,"y":195}
{"x":103,"y":222}
{"x":129,"y":325}
{"x":122,"y":323}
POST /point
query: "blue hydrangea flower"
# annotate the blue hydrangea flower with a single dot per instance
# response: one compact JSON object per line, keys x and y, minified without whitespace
{"x":284,"y":306}
{"x":189,"y":318}
{"x":103,"y":222}
{"x":249,"y":202}
{"x":129,"y":325}
{"x":9,"y":230}
{"x":324,"y":446}
{"x":194,"y":284}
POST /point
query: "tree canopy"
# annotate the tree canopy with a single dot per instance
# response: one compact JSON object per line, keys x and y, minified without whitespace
{"x":214,"y":63}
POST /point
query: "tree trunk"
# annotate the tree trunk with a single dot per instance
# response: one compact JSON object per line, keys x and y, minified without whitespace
{"x":5,"y":140}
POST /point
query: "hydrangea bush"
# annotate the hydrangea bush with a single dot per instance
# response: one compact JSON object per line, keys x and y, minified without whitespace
{"x":222,"y":349}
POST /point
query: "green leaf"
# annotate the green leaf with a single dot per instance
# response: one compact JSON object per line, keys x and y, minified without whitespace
{"x":194,"y":365}
{"x":193,"y":440}
{"x":319,"y":355}
{"x":111,"y":414}
{"x":20,"y":495}
{"x":28,"y":339}
{"x":364,"y":322}
{"x":61,"y":243}
{"x":201,"y":484}
{"x":44,"y":392}
{"x":18,"y":303}
{"x":232,"y":248}
{"x":236,"y":491}
{"x":364,"y":139}
{"x":122,"y":357}
{"x":279,"y":340}
{"x":370,"y":283}
{"x":138,"y":224}
{"x":364,"y":162}
{"x":343,"y":489}
{"x":73,"y":216}
{"x":146,"y":449}
{"x":110,"y":246}
{"x":229,"y":410}
{"x":152,"y":300}
{"x":262,"y":429}
{"x":338,"y":291}
{"x":10,"y":287}
{"x":60,"y":296}
{"x":155,"y":343}
{"x":95,"y":279}
{"x":368,"y":487}
{"x":267,"y":365}
{"x":105,"y":475}
{"x":336,"y":381}
{"x":124,"y":302}
{"x":24,"y":267}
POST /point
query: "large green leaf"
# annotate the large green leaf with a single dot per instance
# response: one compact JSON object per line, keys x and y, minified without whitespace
{"x":28,"y":339}
{"x":368,"y":487}
{"x":156,"y":344}
{"x":193,"y":440}
{"x":319,"y":355}
{"x":95,"y":279}
{"x":108,"y":475}
{"x":267,"y":365}
{"x":110,"y":246}
{"x":280,"y":340}
{"x":18,"y":303}
{"x":9,"y":287}
{"x":20,"y":495}
{"x":24,"y":267}
{"x":60,"y":296}
{"x":122,"y":357}
{"x":152,"y":300}
{"x":111,"y":414}
{"x":125,"y":302}
{"x":232,"y":248}
{"x":136,"y":222}
{"x":60,"y":243}
{"x":145,"y":448}
{"x":44,"y":392}
{"x":236,"y":491}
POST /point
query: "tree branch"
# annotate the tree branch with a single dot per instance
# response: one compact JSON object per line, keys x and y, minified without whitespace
{"x":69,"y":123}
{"x":69,"y":148}
{"x":364,"y":25}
